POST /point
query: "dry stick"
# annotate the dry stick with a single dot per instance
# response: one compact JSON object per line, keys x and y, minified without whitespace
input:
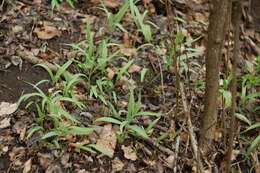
{"x":160,"y":147}
{"x":28,"y":56}
{"x":237,"y":13}
{"x":194,"y":143}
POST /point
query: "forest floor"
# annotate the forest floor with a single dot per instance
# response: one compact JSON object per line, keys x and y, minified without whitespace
{"x":96,"y":123}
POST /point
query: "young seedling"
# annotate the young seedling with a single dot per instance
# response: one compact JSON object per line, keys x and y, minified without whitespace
{"x":132,"y":111}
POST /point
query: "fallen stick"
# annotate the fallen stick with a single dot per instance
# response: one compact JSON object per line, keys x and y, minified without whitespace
{"x":194,"y":143}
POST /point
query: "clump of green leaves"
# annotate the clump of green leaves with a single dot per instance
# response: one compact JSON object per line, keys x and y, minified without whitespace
{"x":56,"y":3}
{"x":126,"y":125}
{"x":114,"y":20}
{"x":95,"y":58}
{"x":50,"y":108}
{"x":139,"y":19}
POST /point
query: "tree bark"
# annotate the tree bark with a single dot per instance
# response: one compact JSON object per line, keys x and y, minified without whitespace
{"x":236,"y":18}
{"x":216,"y":36}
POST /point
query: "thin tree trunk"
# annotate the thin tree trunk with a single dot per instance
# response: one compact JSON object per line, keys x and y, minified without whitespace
{"x":236,"y":15}
{"x":216,"y":36}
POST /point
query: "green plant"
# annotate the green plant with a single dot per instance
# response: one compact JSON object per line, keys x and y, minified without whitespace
{"x":56,"y":3}
{"x":99,"y":89}
{"x":50,"y":107}
{"x":95,"y":58}
{"x":114,"y":20}
{"x":133,"y":111}
{"x":178,"y":47}
{"x":61,"y":71}
{"x":144,"y":28}
{"x":255,"y":143}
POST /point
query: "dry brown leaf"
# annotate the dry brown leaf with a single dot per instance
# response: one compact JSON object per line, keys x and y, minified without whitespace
{"x":45,"y":160}
{"x":27,"y":166}
{"x":110,"y":73}
{"x":47,"y":31}
{"x":134,"y":68}
{"x":170,"y":161}
{"x":5,"y":123}
{"x":107,"y":139}
{"x":7,"y":108}
{"x":117,"y":165}
{"x":20,"y":128}
{"x":17,"y":28}
{"x":128,"y":51}
{"x":17,"y":153}
{"x":108,"y":3}
{"x":129,"y":153}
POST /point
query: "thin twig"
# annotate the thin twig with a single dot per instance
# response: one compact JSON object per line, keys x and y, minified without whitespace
{"x":194,"y":143}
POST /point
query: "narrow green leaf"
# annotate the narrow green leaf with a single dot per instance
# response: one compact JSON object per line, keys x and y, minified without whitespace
{"x":51,"y":134}
{"x":109,"y":119}
{"x":100,"y":149}
{"x":253,"y":145}
{"x":243,"y":118}
{"x":34,"y":129}
{"x":81,"y":130}
{"x":140,"y":131}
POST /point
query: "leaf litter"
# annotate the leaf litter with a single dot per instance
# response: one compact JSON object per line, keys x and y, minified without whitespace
{"x":37,"y":38}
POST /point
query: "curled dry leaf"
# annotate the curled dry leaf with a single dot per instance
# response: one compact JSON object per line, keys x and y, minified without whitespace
{"x":7,"y":108}
{"x":134,"y":68}
{"x":47,"y":31}
{"x":129,"y":153}
{"x":117,"y":165}
{"x":107,"y":139}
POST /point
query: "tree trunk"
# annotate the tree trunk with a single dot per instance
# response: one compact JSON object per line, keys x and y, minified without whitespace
{"x":216,"y":36}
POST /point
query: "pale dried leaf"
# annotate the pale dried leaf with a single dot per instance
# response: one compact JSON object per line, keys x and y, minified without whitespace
{"x":17,"y":28}
{"x":108,"y":3}
{"x":170,"y":161}
{"x":27,"y":166}
{"x":117,"y":165}
{"x":134,"y":68}
{"x":47,"y":31}
{"x":7,"y":108}
{"x":107,"y":139}
{"x":128,"y":51}
{"x":129,"y":153}
{"x":5,"y":123}
{"x":110,"y":73}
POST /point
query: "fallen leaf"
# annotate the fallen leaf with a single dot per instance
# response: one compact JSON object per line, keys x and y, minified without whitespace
{"x":5,"y":123}
{"x":45,"y":160}
{"x":117,"y":165}
{"x":107,"y":139}
{"x":170,"y":161}
{"x":134,"y":68}
{"x":20,"y":128}
{"x":27,"y":166}
{"x":108,"y":3}
{"x":128,"y":51}
{"x":47,"y":31}
{"x":129,"y":153}
{"x":17,"y":28}
{"x":110,"y":73}
{"x":7,"y":108}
